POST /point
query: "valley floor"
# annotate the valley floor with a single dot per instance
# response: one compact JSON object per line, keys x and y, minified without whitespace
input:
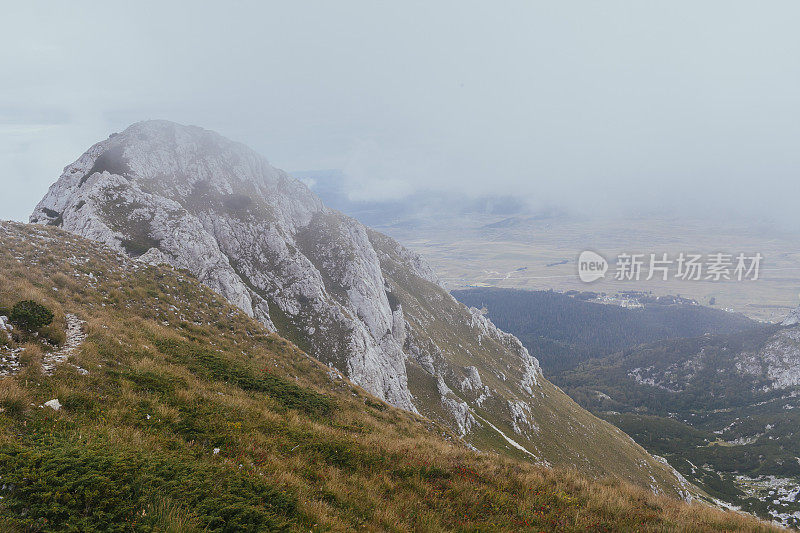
{"x":541,"y":254}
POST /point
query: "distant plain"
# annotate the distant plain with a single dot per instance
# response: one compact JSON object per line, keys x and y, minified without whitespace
{"x":540,"y":253}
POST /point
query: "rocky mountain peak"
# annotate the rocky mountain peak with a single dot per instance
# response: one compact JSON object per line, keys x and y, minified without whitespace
{"x":183,"y":195}
{"x":355,"y":299}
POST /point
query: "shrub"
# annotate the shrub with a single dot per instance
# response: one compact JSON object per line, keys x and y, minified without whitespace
{"x":30,"y":315}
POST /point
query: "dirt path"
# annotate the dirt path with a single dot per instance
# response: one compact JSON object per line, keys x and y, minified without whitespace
{"x":75,"y":338}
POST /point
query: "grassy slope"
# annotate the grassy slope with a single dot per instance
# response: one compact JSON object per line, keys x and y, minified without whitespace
{"x":567,"y":434}
{"x":175,"y":372}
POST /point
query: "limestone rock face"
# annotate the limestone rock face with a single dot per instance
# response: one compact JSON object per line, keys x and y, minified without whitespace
{"x":793,"y":318}
{"x":191,"y":198}
{"x":355,"y":299}
{"x":777,"y":361}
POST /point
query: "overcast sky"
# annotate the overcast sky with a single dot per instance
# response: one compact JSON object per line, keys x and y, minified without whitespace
{"x":575,"y":104}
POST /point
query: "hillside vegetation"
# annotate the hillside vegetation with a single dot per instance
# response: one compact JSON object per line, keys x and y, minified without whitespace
{"x":721,"y":405}
{"x":690,"y":401}
{"x":180,"y":413}
{"x":563,"y":331}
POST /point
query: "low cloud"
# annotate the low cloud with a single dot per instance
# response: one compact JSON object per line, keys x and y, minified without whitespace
{"x":591,"y":107}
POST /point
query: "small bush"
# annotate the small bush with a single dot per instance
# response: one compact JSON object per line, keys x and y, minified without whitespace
{"x":30,"y":315}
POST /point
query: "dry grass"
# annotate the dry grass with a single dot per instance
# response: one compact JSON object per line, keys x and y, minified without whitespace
{"x":14,"y":399}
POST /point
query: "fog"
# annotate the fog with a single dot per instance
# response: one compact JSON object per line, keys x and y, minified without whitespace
{"x":599,"y":107}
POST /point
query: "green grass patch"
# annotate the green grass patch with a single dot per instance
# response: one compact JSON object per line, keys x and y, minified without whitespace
{"x":74,"y":487}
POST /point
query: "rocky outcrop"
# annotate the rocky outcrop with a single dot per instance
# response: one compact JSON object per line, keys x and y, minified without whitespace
{"x":777,"y":361}
{"x":5,"y":326}
{"x":793,"y":318}
{"x":188,"y":197}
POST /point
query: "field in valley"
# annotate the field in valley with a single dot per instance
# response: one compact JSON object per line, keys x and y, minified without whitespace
{"x":540,"y":254}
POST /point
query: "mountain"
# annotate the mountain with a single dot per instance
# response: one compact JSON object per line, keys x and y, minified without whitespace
{"x":564,"y":330}
{"x":149,"y":403}
{"x":349,"y":296}
{"x":717,"y":395}
{"x":413,"y":211}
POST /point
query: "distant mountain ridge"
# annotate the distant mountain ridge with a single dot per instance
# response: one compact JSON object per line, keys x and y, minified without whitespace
{"x":412,"y":210}
{"x":350,"y":296}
